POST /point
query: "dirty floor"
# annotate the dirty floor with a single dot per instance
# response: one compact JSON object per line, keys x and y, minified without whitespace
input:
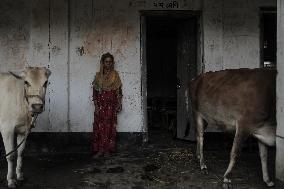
{"x":161,"y":163}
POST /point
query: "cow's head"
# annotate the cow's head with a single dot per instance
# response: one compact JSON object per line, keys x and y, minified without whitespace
{"x":35,"y":83}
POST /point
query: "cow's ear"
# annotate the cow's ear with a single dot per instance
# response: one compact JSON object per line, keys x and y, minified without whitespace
{"x":48,"y":72}
{"x":19,"y":75}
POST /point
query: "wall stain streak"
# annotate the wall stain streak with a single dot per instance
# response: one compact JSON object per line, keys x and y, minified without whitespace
{"x":49,"y":29}
{"x":93,"y":10}
{"x":49,"y":43}
{"x":80,"y":51}
{"x":68,"y":64}
{"x":38,"y":47}
{"x":56,"y":50}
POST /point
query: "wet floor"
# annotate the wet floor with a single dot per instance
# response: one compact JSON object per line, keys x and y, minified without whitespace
{"x":161,"y":163}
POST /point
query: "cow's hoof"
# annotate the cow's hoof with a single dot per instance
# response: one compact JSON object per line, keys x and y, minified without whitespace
{"x":204,"y":170}
{"x":12,"y":184}
{"x":269,"y":184}
{"x":21,"y":178}
{"x":227,"y":186}
{"x":21,"y":181}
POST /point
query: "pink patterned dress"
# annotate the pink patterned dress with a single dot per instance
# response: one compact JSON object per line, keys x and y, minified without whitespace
{"x":105,"y":121}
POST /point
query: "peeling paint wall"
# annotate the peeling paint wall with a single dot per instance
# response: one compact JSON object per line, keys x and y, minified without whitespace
{"x":15,"y":34}
{"x":48,"y":46}
{"x":69,"y":36}
{"x":232,"y":33}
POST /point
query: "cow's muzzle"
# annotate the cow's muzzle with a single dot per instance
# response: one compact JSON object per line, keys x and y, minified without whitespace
{"x":37,"y":108}
{"x":36,"y":103}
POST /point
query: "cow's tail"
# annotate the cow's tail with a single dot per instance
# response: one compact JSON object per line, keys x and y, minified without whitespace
{"x":186,"y":95}
{"x":187,"y":101}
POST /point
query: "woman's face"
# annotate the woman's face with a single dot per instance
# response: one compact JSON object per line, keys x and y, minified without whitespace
{"x":108,"y":62}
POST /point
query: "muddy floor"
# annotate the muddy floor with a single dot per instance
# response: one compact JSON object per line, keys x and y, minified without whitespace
{"x":161,"y":163}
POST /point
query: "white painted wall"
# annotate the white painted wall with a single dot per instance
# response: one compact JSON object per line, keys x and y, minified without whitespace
{"x":279,"y":93}
{"x":232,"y":33}
{"x":44,"y":32}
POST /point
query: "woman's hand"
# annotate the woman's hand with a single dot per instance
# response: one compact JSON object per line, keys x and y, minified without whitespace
{"x":119,"y":100}
{"x":96,"y":107}
{"x":119,"y":107}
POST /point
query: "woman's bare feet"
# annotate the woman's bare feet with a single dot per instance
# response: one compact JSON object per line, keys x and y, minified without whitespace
{"x":107,"y":154}
{"x":98,"y":154}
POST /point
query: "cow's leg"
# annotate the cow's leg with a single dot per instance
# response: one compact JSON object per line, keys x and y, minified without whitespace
{"x":240,"y":137}
{"x":19,"y":172}
{"x":266,"y":136}
{"x":263,"y":158}
{"x":200,"y":140}
{"x":8,"y":140}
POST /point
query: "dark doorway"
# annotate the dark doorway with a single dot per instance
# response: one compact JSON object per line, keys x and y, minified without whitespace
{"x":161,"y":50}
{"x":171,"y":61}
{"x":268,"y":37}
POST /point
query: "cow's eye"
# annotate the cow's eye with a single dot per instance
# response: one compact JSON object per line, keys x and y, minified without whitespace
{"x":27,"y":83}
{"x":45,"y":84}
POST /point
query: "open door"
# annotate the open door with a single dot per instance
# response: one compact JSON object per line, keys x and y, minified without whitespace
{"x":169,"y":54}
{"x":186,"y":70}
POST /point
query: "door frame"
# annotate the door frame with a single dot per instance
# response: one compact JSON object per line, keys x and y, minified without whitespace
{"x":262,"y":11}
{"x":143,"y":60}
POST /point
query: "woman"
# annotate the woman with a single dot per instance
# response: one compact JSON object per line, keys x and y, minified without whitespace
{"x":107,"y":95}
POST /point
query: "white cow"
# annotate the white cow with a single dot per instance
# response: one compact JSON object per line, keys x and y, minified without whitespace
{"x":22,"y":97}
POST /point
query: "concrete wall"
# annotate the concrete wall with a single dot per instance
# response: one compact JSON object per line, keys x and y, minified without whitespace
{"x":280,"y":95}
{"x":231,"y":33}
{"x":70,"y":36}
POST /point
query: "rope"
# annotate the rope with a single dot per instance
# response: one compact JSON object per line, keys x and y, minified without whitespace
{"x":27,"y":133}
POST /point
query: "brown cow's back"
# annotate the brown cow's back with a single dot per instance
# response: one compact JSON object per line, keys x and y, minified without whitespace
{"x":224,"y":97}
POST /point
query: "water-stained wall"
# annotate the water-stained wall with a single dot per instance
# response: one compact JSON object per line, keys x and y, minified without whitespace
{"x":232,"y":33}
{"x":69,"y":36}
{"x":14,"y":34}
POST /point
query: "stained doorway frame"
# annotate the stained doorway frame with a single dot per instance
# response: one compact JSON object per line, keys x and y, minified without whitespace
{"x":143,"y":57}
{"x":262,"y":12}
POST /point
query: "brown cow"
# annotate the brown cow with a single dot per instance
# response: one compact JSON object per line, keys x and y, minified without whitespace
{"x":240,"y":100}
